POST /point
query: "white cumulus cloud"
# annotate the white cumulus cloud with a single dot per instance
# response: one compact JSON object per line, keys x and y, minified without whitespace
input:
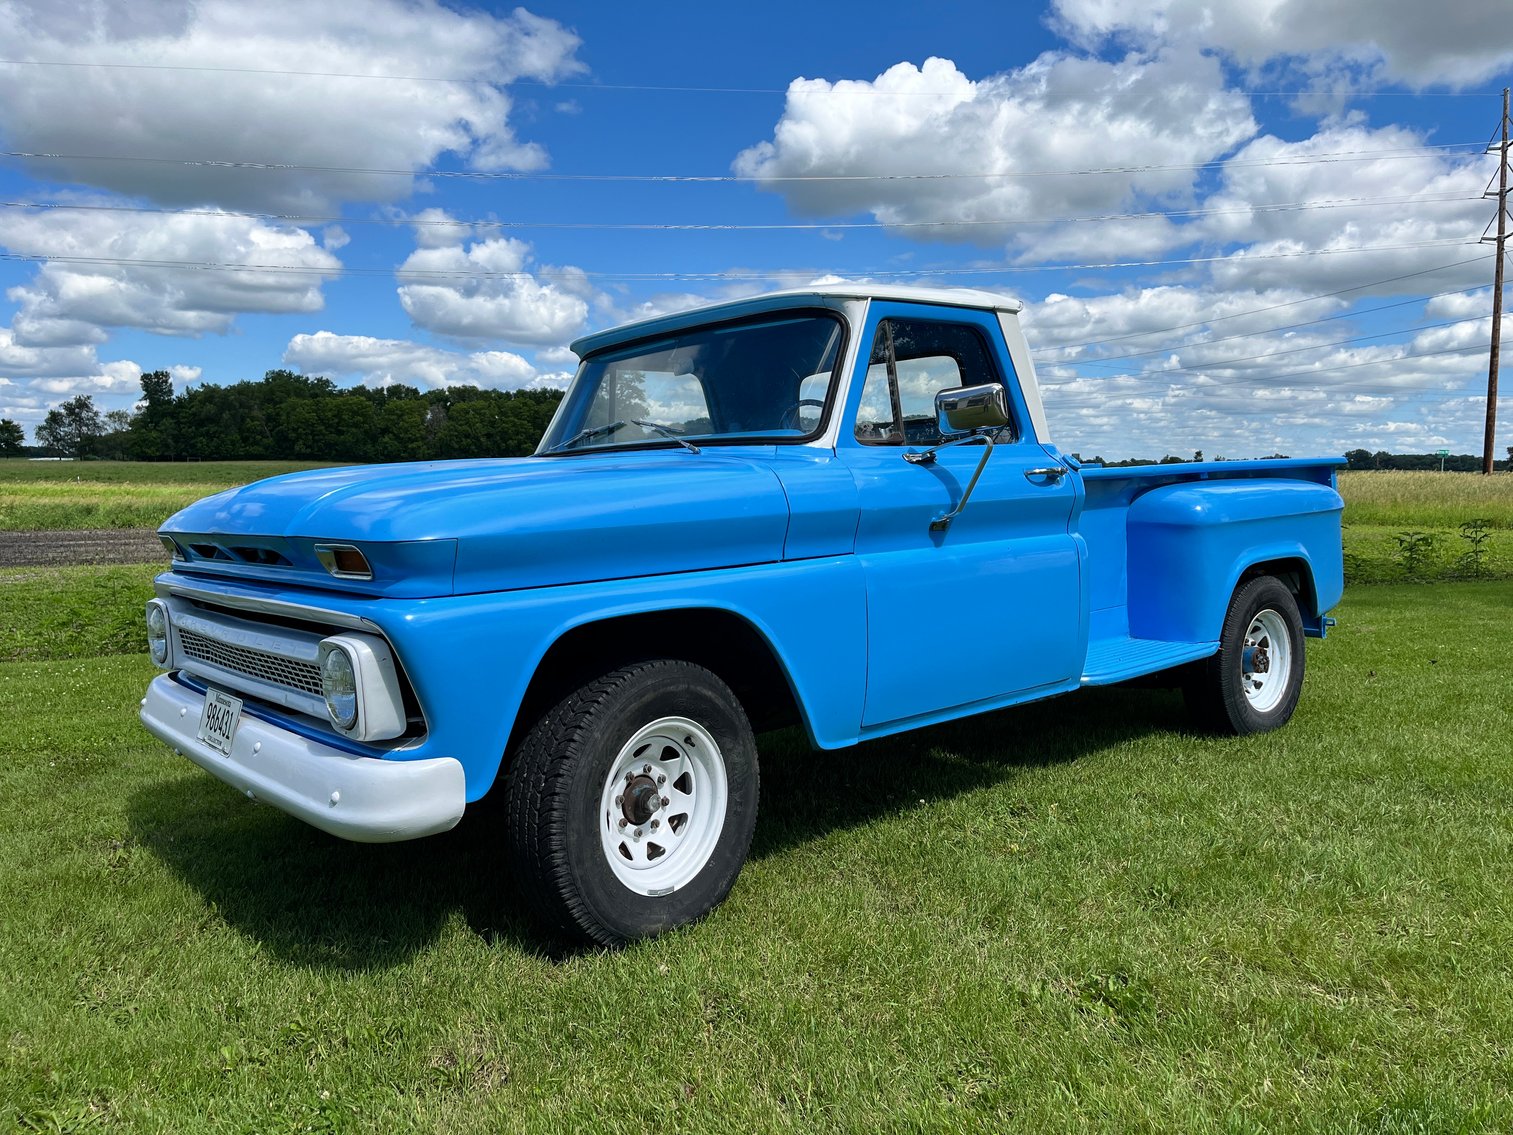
{"x":986,"y":145}
{"x":272,"y":269}
{"x":486,"y":291}
{"x":220,"y":79}
{"x":1421,"y":44}
{"x":384,"y":362}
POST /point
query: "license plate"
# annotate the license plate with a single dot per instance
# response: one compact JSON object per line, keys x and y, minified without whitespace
{"x":219,"y":720}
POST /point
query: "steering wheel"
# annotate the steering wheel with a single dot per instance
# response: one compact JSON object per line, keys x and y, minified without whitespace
{"x":790,"y":419}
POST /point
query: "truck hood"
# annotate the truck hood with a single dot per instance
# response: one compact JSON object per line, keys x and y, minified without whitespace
{"x":469,"y":526}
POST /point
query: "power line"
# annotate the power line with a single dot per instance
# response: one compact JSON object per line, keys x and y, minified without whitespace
{"x":854,"y":87}
{"x":786,"y":274}
{"x":1221,"y":364}
{"x":1276,"y":306}
{"x":1472,"y":149}
{"x":303,"y":219}
{"x":1394,"y":393}
{"x":1105,"y":360}
{"x":1250,"y":379}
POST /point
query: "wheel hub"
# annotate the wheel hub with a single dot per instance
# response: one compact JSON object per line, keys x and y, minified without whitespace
{"x":640,"y":800}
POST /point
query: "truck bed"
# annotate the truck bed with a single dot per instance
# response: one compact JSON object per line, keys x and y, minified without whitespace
{"x":1160,"y":538}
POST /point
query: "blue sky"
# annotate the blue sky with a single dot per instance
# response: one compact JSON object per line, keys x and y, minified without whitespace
{"x":1242,"y":228}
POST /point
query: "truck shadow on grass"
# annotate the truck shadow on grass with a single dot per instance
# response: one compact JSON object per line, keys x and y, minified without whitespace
{"x":317,"y":901}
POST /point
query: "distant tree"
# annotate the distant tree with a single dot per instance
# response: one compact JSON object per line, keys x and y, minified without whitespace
{"x":12,"y":438}
{"x":402,"y":430}
{"x":157,"y":393}
{"x":112,"y":445}
{"x":71,"y":428}
{"x":1197,"y":455}
{"x":153,"y":436}
{"x":435,"y":423}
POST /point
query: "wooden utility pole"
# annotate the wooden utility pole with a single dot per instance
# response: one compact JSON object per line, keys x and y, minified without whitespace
{"x":1501,"y":245}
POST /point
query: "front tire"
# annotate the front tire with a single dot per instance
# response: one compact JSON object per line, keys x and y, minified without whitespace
{"x":632,"y":803}
{"x":1253,"y":683}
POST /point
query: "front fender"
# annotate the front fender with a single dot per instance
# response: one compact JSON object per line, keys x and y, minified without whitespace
{"x":471,"y":658}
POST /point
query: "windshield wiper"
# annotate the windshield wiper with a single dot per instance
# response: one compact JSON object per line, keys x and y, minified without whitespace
{"x":669,"y":432}
{"x":584,"y":435}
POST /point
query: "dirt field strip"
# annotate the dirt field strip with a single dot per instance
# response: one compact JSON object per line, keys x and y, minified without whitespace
{"x":87,"y":546}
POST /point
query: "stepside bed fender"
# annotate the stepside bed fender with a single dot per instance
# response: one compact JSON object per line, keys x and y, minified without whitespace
{"x":1191,"y":543}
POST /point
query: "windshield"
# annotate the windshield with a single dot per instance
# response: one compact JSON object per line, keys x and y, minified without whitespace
{"x":767,"y":379}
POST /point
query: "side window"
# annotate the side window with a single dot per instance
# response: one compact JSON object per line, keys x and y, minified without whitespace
{"x":911,"y":360}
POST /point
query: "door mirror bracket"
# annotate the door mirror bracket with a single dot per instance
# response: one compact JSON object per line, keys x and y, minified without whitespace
{"x":978,"y":412}
{"x":943,"y":521}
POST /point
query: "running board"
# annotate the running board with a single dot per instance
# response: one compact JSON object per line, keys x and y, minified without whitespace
{"x":1118,"y":659}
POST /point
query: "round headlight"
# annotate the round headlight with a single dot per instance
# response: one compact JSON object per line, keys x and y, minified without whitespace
{"x":338,"y":682}
{"x":157,"y":634}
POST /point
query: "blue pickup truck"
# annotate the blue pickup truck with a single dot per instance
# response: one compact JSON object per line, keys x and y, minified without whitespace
{"x":838,"y":507}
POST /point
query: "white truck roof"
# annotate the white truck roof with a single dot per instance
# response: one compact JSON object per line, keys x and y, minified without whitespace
{"x":948,"y":297}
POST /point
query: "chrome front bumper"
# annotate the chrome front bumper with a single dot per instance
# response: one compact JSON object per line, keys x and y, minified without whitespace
{"x":358,"y":798}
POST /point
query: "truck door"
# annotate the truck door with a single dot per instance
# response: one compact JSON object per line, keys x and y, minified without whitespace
{"x":992,"y":606}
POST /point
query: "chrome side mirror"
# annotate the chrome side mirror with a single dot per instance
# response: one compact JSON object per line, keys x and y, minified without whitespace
{"x":962,"y":409}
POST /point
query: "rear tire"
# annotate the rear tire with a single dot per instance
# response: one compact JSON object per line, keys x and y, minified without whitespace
{"x":1253,"y":683}
{"x":632,"y":803}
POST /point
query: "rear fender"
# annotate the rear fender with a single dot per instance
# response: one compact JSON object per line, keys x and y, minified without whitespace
{"x":1191,"y":544}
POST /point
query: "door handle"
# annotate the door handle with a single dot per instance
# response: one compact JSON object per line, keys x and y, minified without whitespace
{"x":1054,"y":472}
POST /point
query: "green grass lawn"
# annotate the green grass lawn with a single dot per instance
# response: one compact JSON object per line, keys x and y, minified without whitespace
{"x":49,"y":613}
{"x":1076,"y":916}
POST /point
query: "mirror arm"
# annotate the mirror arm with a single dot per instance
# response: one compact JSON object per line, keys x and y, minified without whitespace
{"x":943,"y":521}
{"x":927,"y":456}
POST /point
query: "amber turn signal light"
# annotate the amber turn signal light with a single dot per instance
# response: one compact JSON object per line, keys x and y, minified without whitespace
{"x":344,"y":561}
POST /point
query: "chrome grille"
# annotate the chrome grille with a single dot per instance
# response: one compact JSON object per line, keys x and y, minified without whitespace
{"x":259,"y":664}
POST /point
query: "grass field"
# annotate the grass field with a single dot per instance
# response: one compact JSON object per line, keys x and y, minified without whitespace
{"x":51,"y":495}
{"x":1395,"y":498}
{"x":1408,"y":526}
{"x":1072,"y":916}
{"x":1381,"y":509}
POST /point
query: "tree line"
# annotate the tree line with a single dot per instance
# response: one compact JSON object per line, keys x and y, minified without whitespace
{"x":295,"y":417}
{"x":1355,"y":459}
{"x":1452,"y":463}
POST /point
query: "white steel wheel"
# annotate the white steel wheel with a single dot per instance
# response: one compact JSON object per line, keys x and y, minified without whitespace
{"x":663,"y":805}
{"x":1266,"y":662}
{"x":1253,"y":682}
{"x":632,"y":802}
